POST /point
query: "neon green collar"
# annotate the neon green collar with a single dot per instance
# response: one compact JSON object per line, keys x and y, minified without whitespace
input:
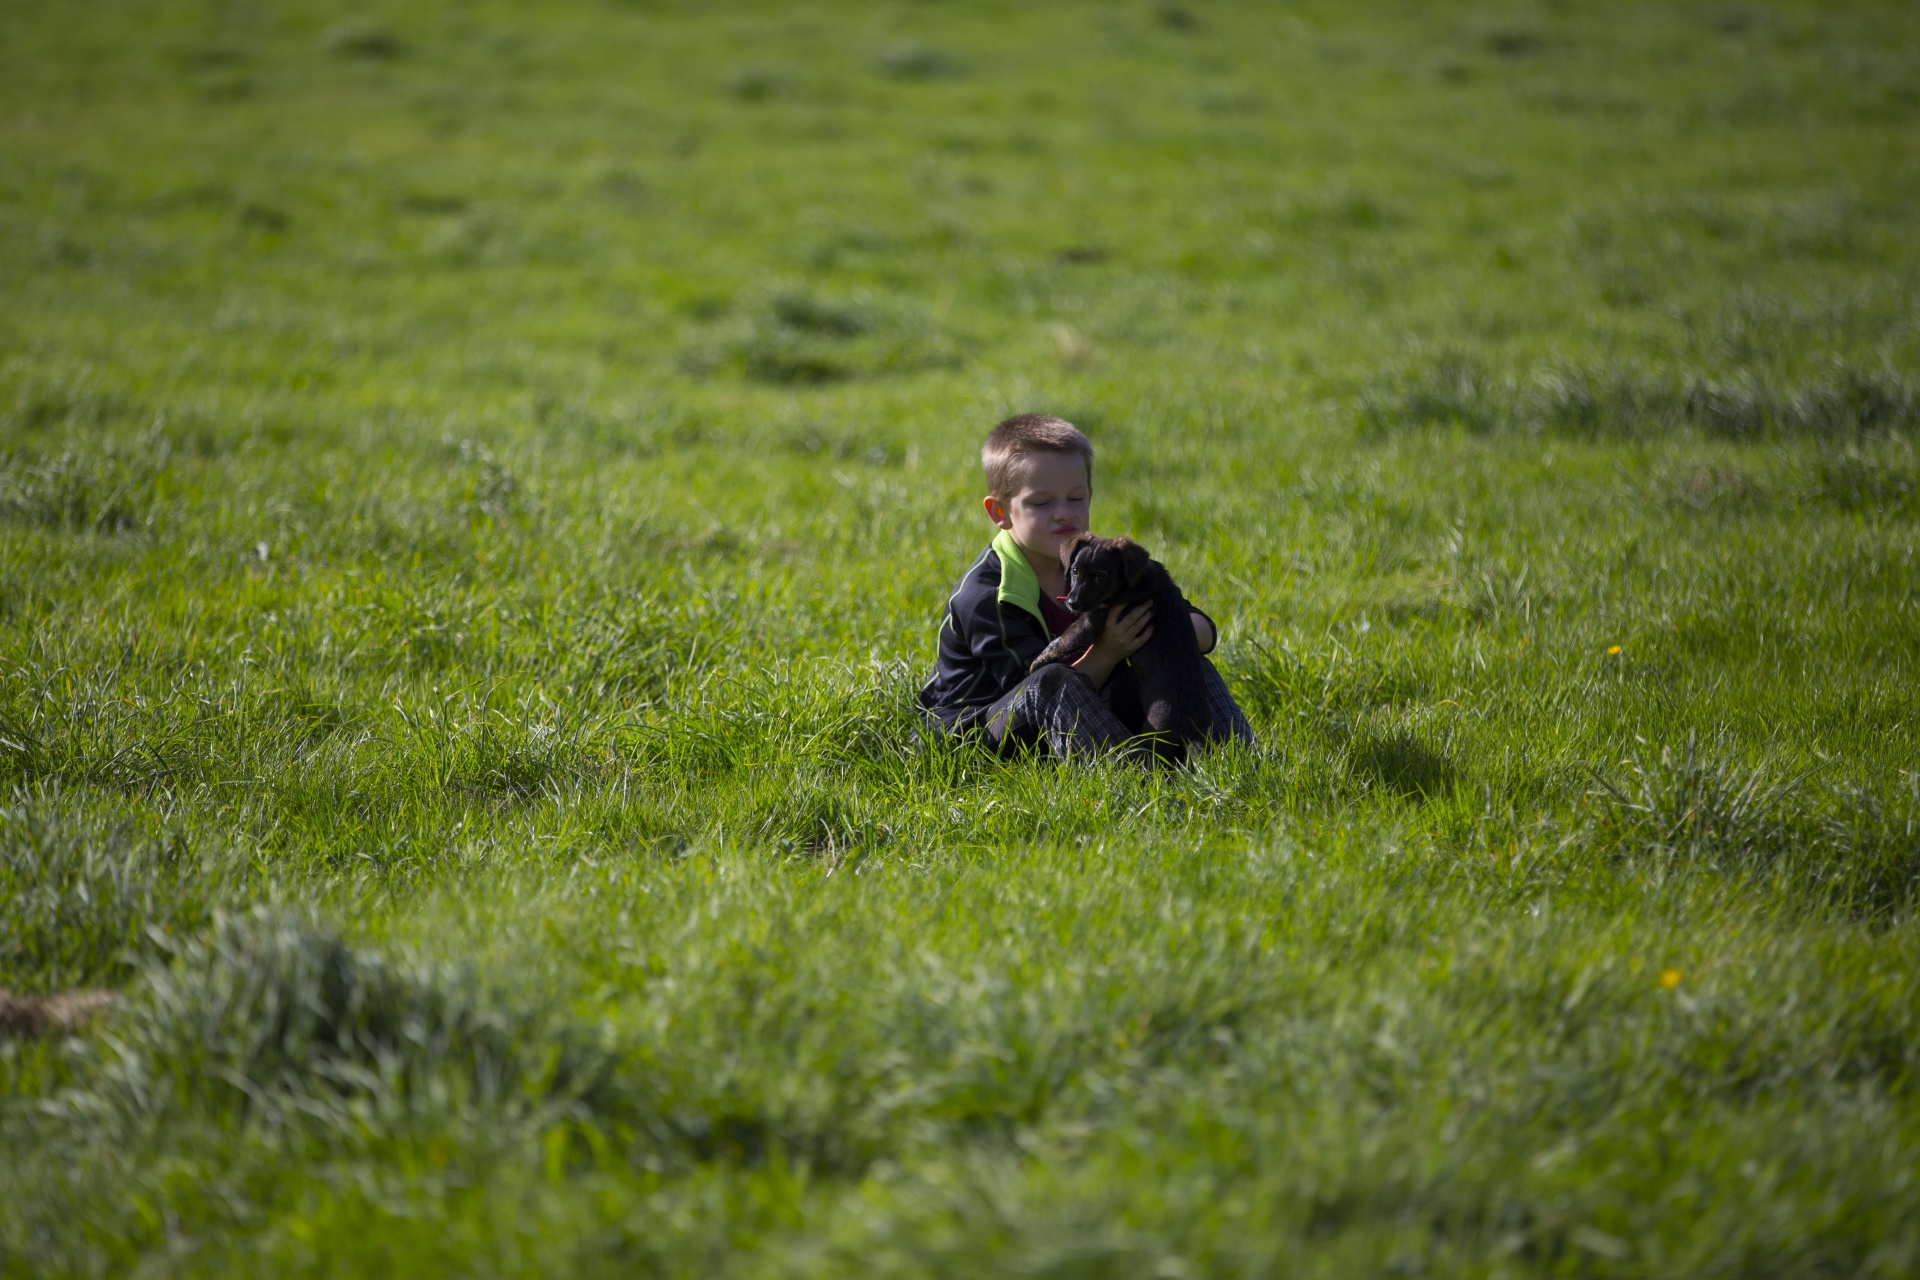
{"x":1019,"y":585}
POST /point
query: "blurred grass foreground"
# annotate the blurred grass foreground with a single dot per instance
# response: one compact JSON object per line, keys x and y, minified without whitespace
{"x":478,"y":482}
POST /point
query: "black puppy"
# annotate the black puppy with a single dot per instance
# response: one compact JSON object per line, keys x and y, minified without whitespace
{"x":1105,"y":574}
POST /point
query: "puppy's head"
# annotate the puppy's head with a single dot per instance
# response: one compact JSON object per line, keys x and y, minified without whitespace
{"x":1100,"y":569}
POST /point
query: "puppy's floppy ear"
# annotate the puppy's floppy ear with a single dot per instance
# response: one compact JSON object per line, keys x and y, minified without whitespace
{"x":1071,"y":551}
{"x":1133,"y":560}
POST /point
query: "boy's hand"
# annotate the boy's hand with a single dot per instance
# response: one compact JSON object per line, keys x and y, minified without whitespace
{"x":1128,"y":632}
{"x":1125,"y":633}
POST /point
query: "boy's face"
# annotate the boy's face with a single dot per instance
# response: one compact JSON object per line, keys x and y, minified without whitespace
{"x":1050,"y":506}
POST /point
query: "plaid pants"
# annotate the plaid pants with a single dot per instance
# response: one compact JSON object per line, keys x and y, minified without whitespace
{"x":1056,"y":705}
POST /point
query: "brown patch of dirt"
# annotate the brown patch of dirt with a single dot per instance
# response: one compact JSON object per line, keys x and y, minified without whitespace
{"x":65,"y":1012}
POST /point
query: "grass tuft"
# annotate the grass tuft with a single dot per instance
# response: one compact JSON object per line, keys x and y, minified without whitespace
{"x":1453,"y":390}
{"x":1695,"y":806}
{"x":119,"y":488}
{"x":360,"y":38}
{"x":83,"y":897}
{"x":282,"y":1021}
{"x":917,"y":62}
{"x":797,"y":338}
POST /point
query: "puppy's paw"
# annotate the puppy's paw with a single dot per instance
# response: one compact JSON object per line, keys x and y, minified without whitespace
{"x":1052,"y":653}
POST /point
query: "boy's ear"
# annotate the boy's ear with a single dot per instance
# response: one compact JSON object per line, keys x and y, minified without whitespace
{"x":1133,"y":561}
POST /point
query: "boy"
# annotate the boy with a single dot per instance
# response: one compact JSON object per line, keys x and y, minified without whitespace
{"x":1005,"y":610}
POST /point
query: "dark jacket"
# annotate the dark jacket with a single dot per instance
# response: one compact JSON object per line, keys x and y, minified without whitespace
{"x":992,"y":631}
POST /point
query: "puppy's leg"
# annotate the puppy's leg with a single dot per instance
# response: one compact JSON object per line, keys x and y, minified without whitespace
{"x":1085,"y":630}
{"x":1172,"y":681}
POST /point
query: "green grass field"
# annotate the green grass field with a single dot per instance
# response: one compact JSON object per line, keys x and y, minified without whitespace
{"x":478,"y":484}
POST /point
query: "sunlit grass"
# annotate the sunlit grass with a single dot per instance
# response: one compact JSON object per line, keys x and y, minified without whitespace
{"x":477,"y":486}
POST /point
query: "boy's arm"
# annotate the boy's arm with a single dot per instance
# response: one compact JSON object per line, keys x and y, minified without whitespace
{"x":998,"y":653}
{"x":984,"y":650}
{"x":1203,"y":630}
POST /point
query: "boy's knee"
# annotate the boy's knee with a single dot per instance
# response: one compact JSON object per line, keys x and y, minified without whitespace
{"x":1054,"y":677}
{"x":1055,"y":674}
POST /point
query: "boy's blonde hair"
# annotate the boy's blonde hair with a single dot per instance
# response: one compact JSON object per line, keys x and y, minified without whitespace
{"x":1029,"y":433}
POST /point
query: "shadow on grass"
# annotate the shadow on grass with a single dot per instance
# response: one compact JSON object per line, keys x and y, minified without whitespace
{"x":1403,"y":764}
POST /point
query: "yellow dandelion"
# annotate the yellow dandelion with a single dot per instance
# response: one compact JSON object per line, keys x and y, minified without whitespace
{"x":1669,"y":979}
{"x":1613,"y":651}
